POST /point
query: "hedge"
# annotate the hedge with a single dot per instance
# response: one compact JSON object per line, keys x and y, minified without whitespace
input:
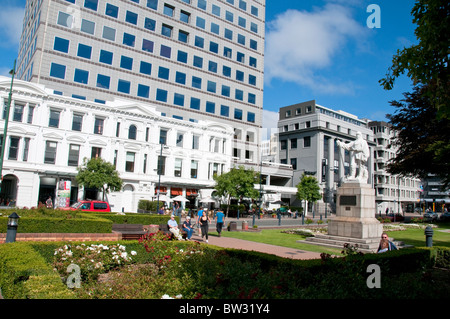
{"x":26,"y":272}
{"x":83,"y":223}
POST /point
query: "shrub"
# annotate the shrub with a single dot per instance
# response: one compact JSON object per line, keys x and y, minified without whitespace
{"x":25,"y":274}
{"x":92,"y":260}
{"x":149,"y":205}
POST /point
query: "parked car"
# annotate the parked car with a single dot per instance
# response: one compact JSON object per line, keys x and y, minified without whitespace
{"x":431,"y":216}
{"x":398,"y":217}
{"x":91,"y":206}
{"x":445,"y":216}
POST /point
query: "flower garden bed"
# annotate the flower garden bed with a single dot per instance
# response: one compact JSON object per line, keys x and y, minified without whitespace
{"x":155,"y":268}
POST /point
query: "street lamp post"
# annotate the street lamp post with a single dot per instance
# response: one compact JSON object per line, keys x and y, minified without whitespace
{"x":159,"y":175}
{"x":5,"y":130}
{"x":13,"y":223}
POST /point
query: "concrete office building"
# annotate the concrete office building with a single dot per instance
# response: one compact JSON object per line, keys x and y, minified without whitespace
{"x":49,"y":135}
{"x":307,"y":140}
{"x":434,"y":195}
{"x":390,"y":189}
{"x":191,"y":59}
{"x":308,"y":134}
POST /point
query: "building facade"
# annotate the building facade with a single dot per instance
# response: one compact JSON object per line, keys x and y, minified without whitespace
{"x":307,"y":140}
{"x":434,"y":195}
{"x":191,"y":59}
{"x":393,"y":193}
{"x":50,"y":135}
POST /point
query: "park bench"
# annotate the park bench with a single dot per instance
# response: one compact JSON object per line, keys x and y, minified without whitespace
{"x":165,"y":229}
{"x":129,"y":231}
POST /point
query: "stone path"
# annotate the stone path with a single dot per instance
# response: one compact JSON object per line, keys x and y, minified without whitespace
{"x":284,"y":252}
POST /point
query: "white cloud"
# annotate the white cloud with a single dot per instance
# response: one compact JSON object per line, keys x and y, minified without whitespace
{"x":11,"y":20}
{"x":301,"y":43}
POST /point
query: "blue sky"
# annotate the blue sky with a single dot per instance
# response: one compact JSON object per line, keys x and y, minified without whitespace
{"x":321,"y":49}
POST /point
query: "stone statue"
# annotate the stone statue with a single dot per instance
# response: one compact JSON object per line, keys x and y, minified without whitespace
{"x":359,"y":155}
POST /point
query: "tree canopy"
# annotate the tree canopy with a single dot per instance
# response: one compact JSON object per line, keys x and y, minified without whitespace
{"x":96,"y":173}
{"x":308,"y":189}
{"x":421,"y":119}
{"x":422,"y":138}
{"x":426,"y":62}
{"x":237,"y":183}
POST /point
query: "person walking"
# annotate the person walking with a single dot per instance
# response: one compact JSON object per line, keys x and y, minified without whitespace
{"x":220,"y":219}
{"x":203,"y":221}
{"x":199,"y":215}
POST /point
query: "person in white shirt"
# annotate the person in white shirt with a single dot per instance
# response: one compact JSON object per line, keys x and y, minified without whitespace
{"x":173,"y":227}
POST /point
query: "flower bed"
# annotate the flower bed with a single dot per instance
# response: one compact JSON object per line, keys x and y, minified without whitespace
{"x":158,"y":268}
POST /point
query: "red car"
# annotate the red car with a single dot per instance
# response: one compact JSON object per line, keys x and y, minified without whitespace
{"x":91,"y":206}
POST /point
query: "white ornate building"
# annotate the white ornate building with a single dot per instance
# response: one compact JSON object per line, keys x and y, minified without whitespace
{"x":49,"y":135}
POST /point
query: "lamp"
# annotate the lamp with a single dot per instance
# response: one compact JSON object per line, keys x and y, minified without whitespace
{"x":159,"y":173}
{"x":5,"y":130}
{"x":13,"y":223}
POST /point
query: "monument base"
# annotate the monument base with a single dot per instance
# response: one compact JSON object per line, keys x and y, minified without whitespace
{"x":369,"y":245}
{"x":355,"y":221}
{"x":355,"y":212}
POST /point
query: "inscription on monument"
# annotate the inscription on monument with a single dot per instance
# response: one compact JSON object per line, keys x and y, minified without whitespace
{"x":347,"y":200}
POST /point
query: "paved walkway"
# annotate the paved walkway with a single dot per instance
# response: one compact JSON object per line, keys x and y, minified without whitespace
{"x":285,"y":252}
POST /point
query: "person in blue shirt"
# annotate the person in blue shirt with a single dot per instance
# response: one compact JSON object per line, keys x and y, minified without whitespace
{"x":220,"y":219}
{"x":199,"y":214}
{"x":187,"y":227}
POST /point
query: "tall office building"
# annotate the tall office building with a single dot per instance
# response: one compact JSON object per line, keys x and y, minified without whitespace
{"x":189,"y":59}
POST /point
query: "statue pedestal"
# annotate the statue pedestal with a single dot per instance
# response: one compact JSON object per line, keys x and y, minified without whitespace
{"x":355,"y":212}
{"x":355,"y":221}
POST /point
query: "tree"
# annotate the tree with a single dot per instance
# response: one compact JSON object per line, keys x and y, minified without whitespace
{"x":96,"y":173}
{"x":422,"y":138}
{"x":421,"y":118}
{"x":426,"y":63}
{"x":308,"y":189}
{"x":237,"y":183}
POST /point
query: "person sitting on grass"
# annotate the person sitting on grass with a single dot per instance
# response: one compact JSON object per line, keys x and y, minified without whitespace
{"x":173,"y":227}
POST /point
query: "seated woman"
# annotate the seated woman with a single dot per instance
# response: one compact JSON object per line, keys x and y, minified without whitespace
{"x":384,"y":246}
{"x":173,"y":227}
{"x":187,"y":227}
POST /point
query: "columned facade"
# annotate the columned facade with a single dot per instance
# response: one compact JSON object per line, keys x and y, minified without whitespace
{"x":307,"y":140}
{"x":49,"y":136}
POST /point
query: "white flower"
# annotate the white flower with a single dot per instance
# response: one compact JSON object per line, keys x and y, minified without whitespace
{"x":179,"y":296}
{"x":133,"y":253}
{"x":166,"y":297}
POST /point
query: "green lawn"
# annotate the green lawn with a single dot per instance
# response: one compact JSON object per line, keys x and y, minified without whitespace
{"x":276,"y":237}
{"x":415,"y":237}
